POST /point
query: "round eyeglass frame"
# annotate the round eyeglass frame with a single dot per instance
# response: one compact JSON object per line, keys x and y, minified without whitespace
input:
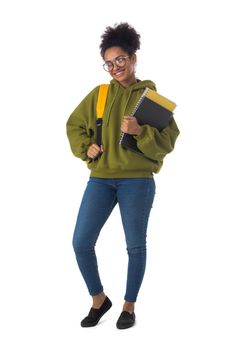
{"x":111,"y":63}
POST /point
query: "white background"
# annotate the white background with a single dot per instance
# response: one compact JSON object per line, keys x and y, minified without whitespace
{"x":49,"y":61}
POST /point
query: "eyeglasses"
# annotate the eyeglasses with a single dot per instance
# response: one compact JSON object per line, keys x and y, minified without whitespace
{"x":119,"y":61}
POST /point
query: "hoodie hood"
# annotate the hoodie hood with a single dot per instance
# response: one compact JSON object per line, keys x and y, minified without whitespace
{"x":140,"y":84}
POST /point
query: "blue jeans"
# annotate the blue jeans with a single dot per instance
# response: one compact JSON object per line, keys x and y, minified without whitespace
{"x":135,"y":198}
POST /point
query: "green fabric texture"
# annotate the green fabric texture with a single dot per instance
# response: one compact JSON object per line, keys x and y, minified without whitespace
{"x":116,"y":161}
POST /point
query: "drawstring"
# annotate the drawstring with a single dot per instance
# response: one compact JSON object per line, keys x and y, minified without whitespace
{"x":110,"y":107}
{"x":130,"y":92}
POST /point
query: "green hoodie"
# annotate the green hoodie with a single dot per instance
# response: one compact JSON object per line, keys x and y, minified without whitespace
{"x":117,"y":161}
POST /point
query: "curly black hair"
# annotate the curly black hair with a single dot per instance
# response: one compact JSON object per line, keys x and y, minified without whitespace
{"x":122,"y":35}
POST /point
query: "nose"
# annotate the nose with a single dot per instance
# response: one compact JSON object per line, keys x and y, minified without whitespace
{"x":115,"y":67}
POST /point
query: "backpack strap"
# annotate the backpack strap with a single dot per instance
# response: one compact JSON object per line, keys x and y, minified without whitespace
{"x":101,"y":101}
{"x":102,"y":97}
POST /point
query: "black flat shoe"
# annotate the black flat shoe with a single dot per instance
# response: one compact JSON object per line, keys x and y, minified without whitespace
{"x":126,"y":320}
{"x":95,"y":314}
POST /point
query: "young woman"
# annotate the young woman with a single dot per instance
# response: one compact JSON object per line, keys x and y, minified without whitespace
{"x":118,"y":175}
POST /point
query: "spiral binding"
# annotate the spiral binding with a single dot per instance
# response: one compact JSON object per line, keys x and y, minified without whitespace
{"x":140,"y":100}
{"x":121,"y":138}
{"x":135,"y":109}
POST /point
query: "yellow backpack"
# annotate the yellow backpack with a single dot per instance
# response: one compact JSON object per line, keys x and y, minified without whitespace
{"x":102,"y":97}
{"x":101,"y":101}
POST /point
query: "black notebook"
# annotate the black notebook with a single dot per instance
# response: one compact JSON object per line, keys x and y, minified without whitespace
{"x":152,"y":109}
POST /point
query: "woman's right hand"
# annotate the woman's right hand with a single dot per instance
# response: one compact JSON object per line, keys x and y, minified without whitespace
{"x":94,"y":150}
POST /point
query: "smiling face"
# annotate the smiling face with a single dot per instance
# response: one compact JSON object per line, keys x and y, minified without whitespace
{"x":122,"y":65}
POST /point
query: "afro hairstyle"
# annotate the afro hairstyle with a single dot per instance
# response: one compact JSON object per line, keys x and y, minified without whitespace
{"x":122,"y":35}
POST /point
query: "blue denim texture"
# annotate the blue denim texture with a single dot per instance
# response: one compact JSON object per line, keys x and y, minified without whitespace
{"x":135,"y":198}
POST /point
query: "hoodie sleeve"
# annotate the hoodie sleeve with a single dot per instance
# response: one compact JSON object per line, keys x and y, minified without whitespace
{"x":80,"y":126}
{"x":154,"y":144}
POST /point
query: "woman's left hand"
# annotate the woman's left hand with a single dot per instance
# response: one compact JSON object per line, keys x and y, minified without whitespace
{"x":130,"y":126}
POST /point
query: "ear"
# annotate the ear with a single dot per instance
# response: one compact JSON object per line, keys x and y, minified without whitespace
{"x":134,"y":58}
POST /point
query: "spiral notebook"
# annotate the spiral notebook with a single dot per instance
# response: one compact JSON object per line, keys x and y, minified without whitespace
{"x":152,"y":109}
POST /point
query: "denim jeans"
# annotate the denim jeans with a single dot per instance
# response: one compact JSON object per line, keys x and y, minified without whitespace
{"x":135,"y":198}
